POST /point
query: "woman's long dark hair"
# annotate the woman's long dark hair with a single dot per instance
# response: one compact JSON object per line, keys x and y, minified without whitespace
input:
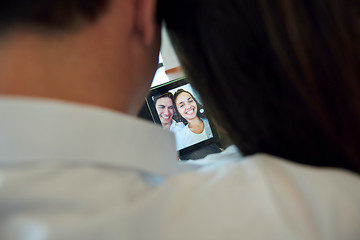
{"x":199,"y":106}
{"x":282,"y":76}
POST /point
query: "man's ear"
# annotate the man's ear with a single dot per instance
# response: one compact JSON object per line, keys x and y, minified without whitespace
{"x":145,"y":20}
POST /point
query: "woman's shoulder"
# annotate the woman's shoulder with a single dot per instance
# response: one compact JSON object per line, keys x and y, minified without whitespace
{"x":281,"y":196}
{"x":278,"y":169}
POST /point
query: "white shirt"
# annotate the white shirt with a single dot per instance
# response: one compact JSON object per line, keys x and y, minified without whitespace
{"x":185,"y":137}
{"x":76,"y":172}
{"x":264,"y":197}
{"x":176,"y":126}
{"x":72,"y":171}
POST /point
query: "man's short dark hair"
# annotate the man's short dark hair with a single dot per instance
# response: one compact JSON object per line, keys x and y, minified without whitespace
{"x":55,"y":14}
{"x":167,"y":94}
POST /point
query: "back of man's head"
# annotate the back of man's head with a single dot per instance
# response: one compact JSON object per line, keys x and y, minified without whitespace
{"x":98,"y":52}
{"x":56,"y":14}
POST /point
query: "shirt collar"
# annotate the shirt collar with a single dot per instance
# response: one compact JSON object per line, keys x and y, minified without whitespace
{"x":49,"y":130}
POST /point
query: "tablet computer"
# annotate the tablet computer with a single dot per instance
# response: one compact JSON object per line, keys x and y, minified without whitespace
{"x":177,"y":106}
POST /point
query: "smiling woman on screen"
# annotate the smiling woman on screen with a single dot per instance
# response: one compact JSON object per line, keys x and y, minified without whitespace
{"x":197,"y":126}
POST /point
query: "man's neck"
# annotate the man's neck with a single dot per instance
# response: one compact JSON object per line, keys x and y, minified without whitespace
{"x":65,"y":67}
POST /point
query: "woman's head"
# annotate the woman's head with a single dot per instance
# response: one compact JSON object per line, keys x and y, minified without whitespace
{"x":282,"y":76}
{"x":187,"y":105}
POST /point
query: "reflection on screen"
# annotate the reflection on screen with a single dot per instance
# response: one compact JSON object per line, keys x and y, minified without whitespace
{"x":160,"y":77}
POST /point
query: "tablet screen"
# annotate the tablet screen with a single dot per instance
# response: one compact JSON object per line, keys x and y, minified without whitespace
{"x":177,"y":107}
